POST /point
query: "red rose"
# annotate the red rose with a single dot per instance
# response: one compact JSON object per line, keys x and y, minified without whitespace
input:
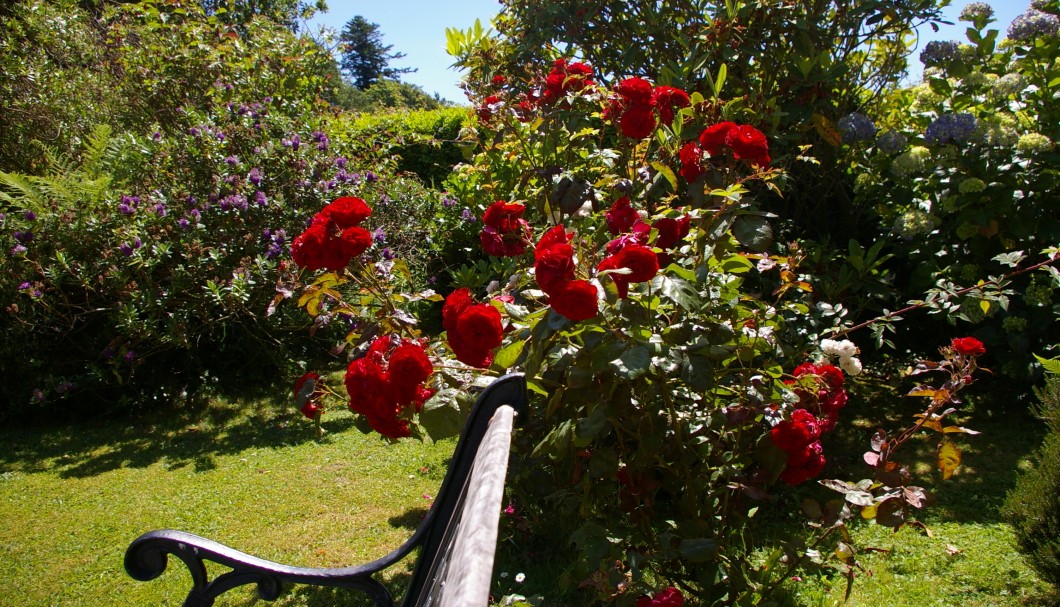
{"x":805,"y":369}
{"x":800,"y":456}
{"x":638,"y":234}
{"x":554,"y":266}
{"x":667,"y":99}
{"x":641,"y":262}
{"x":504,"y":216}
{"x":803,"y":473}
{"x":713,"y":138}
{"x":368,"y":387}
{"x":354,"y":241}
{"x":390,"y":426}
{"x":670,"y":597}
{"x":637,"y":122}
{"x":556,"y":235}
{"x":636,"y":91}
{"x":346,"y":211}
{"x":832,"y":375}
{"x":748,"y":143}
{"x":802,"y":429}
{"x":968,"y":346}
{"x":575,"y":299}
{"x":671,"y":231}
{"x":408,"y":367}
{"x":305,"y":386}
{"x":473,"y":330}
{"x":691,"y":161}
{"x":498,"y":244}
{"x":313,"y":249}
{"x":621,"y":216}
{"x":311,"y":410}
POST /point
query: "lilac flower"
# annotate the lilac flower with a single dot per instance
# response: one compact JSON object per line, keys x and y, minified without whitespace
{"x":232,"y":160}
{"x":190,"y":201}
{"x":254,"y":176}
{"x":183,"y":223}
{"x":18,"y":250}
{"x":342,"y":176}
{"x":447,"y":201}
{"x":856,"y":127}
{"x":133,"y":201}
{"x":30,"y":216}
{"x":232,"y":179}
{"x":387,"y":253}
{"x":371,"y":177}
{"x":379,"y":235}
{"x":125,"y":209}
{"x":126,"y":249}
{"x":24,"y":286}
{"x":260,"y":199}
{"x":194,"y":131}
{"x":220,"y":136}
{"x":195,"y":214}
{"x":468,"y":216}
{"x":157,"y":136}
{"x":160,"y":209}
{"x":340,"y":162}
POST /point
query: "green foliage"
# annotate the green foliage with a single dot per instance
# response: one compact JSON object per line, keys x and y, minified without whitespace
{"x":424,"y":142}
{"x":1032,"y":506}
{"x":386,"y":95}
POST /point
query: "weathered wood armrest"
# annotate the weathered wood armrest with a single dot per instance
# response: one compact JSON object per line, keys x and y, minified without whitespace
{"x":457,"y":538}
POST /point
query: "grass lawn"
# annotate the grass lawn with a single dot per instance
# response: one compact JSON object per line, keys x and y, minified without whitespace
{"x":254,"y":476}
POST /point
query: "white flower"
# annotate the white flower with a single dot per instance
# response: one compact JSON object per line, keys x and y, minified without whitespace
{"x":851,"y":365}
{"x":841,"y":349}
{"x":519,"y":577}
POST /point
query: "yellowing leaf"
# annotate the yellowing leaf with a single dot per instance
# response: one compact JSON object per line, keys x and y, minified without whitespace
{"x":949,"y":457}
{"x":984,"y":305}
{"x":826,"y":130}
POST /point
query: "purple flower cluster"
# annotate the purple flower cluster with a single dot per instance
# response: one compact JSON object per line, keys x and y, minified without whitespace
{"x":950,"y":128}
{"x":128,"y":249}
{"x":255,"y":176}
{"x":294,"y":142}
{"x":939,"y":53}
{"x":321,"y":140}
{"x":447,"y":201}
{"x":275,"y":242}
{"x":856,"y":127}
{"x":1033,"y":24}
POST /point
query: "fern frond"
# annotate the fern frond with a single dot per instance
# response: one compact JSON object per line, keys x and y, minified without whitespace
{"x":22,"y":191}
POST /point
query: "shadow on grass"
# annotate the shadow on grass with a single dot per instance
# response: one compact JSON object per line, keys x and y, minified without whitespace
{"x":990,"y":460}
{"x":192,"y":436}
{"x":411,"y":518}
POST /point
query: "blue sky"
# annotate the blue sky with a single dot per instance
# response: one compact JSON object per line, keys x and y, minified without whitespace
{"x":417,"y":28}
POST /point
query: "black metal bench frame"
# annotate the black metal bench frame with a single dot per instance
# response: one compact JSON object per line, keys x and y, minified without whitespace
{"x":146,"y":558}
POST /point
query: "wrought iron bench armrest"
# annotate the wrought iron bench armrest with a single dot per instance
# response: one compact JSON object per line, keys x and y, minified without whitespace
{"x":147,"y":556}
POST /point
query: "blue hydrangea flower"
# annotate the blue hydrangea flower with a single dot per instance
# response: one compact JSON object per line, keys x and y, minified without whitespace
{"x":939,"y":53}
{"x":856,"y":127}
{"x":975,"y":11}
{"x":1033,"y":24}
{"x":950,"y":128}
{"x":891,"y":142}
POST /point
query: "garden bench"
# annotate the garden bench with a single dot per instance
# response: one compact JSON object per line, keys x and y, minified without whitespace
{"x":457,"y":538}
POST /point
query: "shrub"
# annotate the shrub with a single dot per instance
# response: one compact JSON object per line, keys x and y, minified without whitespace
{"x":1032,"y":506}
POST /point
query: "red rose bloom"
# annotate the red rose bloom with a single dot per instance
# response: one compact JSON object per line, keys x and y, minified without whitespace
{"x":556,"y":235}
{"x":637,"y":122}
{"x":799,"y":456}
{"x":621,"y":216}
{"x":311,"y":410}
{"x":506,"y":233}
{"x":554,"y":266}
{"x":368,"y":386}
{"x":387,"y":381}
{"x":668,"y":99}
{"x":354,"y":241}
{"x":390,"y":426}
{"x":635,"y":91}
{"x":832,"y":375}
{"x":575,"y":299}
{"x":670,"y":597}
{"x":671,"y":231}
{"x":346,"y":211}
{"x":748,"y":143}
{"x":313,"y":249}
{"x":968,"y":346}
{"x":473,"y":330}
{"x":799,"y":431}
{"x":800,"y":474}
{"x":504,"y":216}
{"x":638,"y":234}
{"x":713,"y":138}
{"x":691,"y":161}
{"x":409,"y":367}
{"x":641,"y":262}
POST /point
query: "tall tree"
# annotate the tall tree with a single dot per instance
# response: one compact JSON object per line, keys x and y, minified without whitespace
{"x":365,"y":59}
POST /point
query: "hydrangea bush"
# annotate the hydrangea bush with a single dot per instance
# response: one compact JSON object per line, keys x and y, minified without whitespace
{"x":960,"y":176}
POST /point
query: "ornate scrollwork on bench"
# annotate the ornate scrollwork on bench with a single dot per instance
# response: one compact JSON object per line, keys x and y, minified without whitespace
{"x":462,"y":521}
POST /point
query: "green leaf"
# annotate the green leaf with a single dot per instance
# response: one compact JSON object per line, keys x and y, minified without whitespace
{"x":590,"y":427}
{"x":666,"y":172}
{"x":633,"y":363}
{"x":507,"y":356}
{"x":753,"y":232}
{"x":1051,"y":365}
{"x":442,"y":415}
{"x":699,"y":549}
